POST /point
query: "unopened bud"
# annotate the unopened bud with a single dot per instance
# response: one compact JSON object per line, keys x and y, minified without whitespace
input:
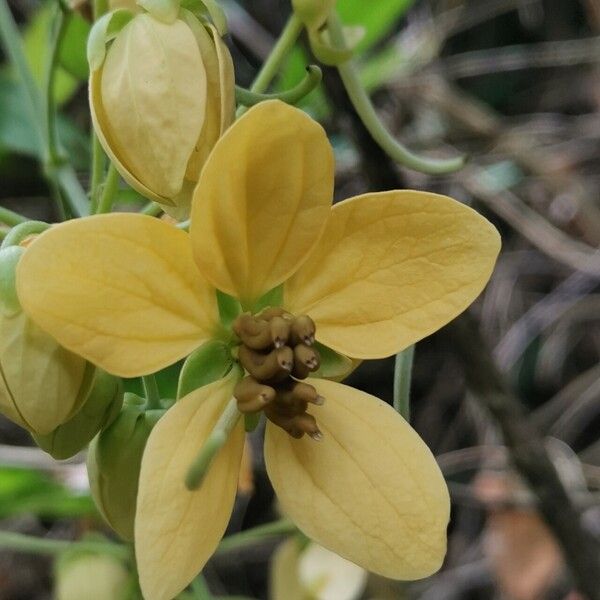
{"x":163,"y":96}
{"x":114,"y":461}
{"x":99,"y":410}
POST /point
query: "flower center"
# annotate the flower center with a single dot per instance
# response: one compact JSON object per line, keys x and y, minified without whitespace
{"x":277,"y":351}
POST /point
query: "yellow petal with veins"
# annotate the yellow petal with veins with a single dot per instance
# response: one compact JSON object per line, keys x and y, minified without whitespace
{"x":121,"y":290}
{"x":176,"y":530}
{"x":392,"y":268}
{"x":262,"y":201}
{"x":370,"y":491}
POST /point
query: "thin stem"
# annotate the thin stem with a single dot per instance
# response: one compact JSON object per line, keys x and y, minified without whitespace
{"x":109,"y":190}
{"x":98,"y":164}
{"x":8,"y":217}
{"x":248,"y":537}
{"x":151,"y":391}
{"x":152,"y":208}
{"x":365,"y":109}
{"x":286,"y":41}
{"x":402,"y":381}
{"x":215,"y":441}
{"x":200,"y":589}
{"x":292,"y":96}
{"x":23,"y":230}
{"x":25,"y":543}
{"x":66,"y":179}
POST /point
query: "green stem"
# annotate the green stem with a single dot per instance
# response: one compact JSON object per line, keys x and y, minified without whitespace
{"x":151,"y":391}
{"x":215,"y":441}
{"x":292,"y":96}
{"x":26,"y":543}
{"x":8,"y":217}
{"x":66,"y":179}
{"x":98,"y":164}
{"x":368,"y":115}
{"x":100,"y":8}
{"x":200,"y":589}
{"x":402,"y":381}
{"x":248,"y":537}
{"x":23,"y":230}
{"x":152,"y":208}
{"x":286,"y":41}
{"x":109,"y":190}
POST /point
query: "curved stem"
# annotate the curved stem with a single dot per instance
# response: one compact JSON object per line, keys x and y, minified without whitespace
{"x":292,"y":96}
{"x":109,"y":190}
{"x":8,"y":217}
{"x":402,"y":381}
{"x":286,"y":41}
{"x":152,"y":208}
{"x":23,"y":230}
{"x":215,"y":441}
{"x":365,"y":109}
{"x":151,"y":391}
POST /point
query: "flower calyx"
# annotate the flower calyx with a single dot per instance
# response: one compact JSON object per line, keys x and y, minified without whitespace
{"x":276,"y":351}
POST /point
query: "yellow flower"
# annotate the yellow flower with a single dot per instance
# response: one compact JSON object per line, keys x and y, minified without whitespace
{"x":376,"y":273}
{"x":160,"y":101}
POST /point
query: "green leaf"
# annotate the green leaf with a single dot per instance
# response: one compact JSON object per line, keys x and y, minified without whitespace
{"x":210,"y":362}
{"x":272,"y":298}
{"x":72,"y":50}
{"x":24,"y":491}
{"x":35,"y":41}
{"x":377,"y":18}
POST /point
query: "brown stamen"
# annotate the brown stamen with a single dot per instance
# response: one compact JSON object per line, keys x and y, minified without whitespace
{"x":273,"y":366}
{"x":303,"y":331}
{"x":252,"y":396}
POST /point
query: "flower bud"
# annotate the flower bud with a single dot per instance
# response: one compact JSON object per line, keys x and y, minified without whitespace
{"x":114,"y":460}
{"x":160,"y":101}
{"x":42,"y":385}
{"x":313,"y":13}
{"x":99,"y":410}
{"x":91,"y":576}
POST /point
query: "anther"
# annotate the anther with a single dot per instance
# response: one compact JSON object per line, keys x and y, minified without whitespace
{"x":299,"y":395}
{"x":273,"y":366}
{"x":280,"y":331}
{"x":303,"y":331}
{"x":254,"y":333}
{"x":252,"y":396}
{"x":308,"y":356}
{"x":271,"y":312}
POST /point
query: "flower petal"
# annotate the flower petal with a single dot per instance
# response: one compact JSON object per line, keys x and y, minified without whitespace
{"x":390,"y":269}
{"x":121,"y":290}
{"x":177,"y":531}
{"x":370,"y":491}
{"x":262,"y":201}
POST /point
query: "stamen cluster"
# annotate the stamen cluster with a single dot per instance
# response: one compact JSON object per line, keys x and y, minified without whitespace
{"x":277,"y":350}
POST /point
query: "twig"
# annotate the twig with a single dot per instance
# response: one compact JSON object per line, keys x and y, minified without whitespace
{"x":528,"y":454}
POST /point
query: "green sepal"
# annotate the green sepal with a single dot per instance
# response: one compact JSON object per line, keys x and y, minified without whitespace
{"x":210,"y":8}
{"x":9,"y":301}
{"x":251,"y":422}
{"x":334,"y":366}
{"x":100,"y":409}
{"x":105,"y":29}
{"x":229,"y":308}
{"x":210,"y":362}
{"x":327,"y":53}
{"x":114,"y":462}
{"x":273,"y":297}
{"x":165,"y":11}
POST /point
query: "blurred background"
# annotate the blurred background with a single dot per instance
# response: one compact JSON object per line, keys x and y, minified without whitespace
{"x":508,"y":396}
